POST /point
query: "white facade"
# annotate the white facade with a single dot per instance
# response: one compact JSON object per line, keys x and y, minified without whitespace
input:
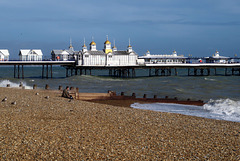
{"x":163,"y":59}
{"x":216,"y":58}
{"x":107,"y":56}
{"x":4,"y":55}
{"x":30,"y":55}
{"x":60,"y":55}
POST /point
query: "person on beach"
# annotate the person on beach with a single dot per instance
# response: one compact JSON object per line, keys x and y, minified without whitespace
{"x":66,"y":93}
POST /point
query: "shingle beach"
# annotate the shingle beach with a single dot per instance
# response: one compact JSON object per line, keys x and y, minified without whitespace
{"x":37,"y":127}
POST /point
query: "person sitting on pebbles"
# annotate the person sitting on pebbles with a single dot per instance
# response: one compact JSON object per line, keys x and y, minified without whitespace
{"x":66,"y":93}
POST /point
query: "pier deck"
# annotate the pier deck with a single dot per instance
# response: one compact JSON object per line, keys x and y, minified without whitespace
{"x":198,"y":69}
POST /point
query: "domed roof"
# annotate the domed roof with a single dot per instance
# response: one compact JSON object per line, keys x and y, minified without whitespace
{"x":107,"y":42}
{"x":92,"y":43}
{"x":84,"y":45}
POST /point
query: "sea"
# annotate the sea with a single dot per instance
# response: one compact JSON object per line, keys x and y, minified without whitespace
{"x":220,"y":93}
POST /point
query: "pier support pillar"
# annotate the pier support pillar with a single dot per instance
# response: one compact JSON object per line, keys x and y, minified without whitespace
{"x":201,"y":70}
{"x":195,"y":72}
{"x":76,"y":71}
{"x":14,"y":71}
{"x":66,"y":72}
{"x":18,"y":71}
{"x":175,"y":71}
{"x":133,"y":73}
{"x":42,"y":71}
{"x":156,"y":72}
{"x":208,"y":71}
{"x":22,"y":72}
{"x":47,"y":72}
{"x":51,"y":72}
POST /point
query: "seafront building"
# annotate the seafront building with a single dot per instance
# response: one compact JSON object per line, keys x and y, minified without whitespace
{"x":64,"y":55}
{"x":216,"y":58}
{"x":4,"y":55}
{"x":107,"y":57}
{"x":30,"y":55}
{"x":162,"y":59}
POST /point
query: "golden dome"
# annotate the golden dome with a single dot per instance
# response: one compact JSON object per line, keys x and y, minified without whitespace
{"x":92,"y":43}
{"x":84,"y":45}
{"x":129,"y":46}
{"x":107,"y":42}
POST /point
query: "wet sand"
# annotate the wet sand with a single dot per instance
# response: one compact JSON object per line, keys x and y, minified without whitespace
{"x":40,"y":128}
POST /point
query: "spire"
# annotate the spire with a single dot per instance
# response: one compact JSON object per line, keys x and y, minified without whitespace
{"x":84,"y":45}
{"x":129,"y":48}
{"x":129,"y":45}
{"x":114,"y":47}
{"x":71,"y":47}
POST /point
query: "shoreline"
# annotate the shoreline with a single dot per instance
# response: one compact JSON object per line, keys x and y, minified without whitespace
{"x":38,"y":128}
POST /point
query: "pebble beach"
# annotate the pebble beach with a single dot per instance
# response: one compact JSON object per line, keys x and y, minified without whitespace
{"x":41,"y":125}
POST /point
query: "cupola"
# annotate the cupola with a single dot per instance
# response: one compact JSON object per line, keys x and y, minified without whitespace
{"x":107,"y":46}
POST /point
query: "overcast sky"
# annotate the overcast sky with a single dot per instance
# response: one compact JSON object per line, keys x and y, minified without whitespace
{"x":196,"y":27}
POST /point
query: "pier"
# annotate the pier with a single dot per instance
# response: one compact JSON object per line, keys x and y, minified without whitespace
{"x":201,"y":69}
{"x":18,"y":66}
{"x":197,"y":69}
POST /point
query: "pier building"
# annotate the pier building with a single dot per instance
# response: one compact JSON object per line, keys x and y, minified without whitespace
{"x":4,"y":55}
{"x":30,"y":55}
{"x":107,"y":57}
{"x":216,"y":58}
{"x":64,"y":55}
{"x":163,"y":59}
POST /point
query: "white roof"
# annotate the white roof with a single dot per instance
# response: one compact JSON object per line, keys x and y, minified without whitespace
{"x":4,"y":52}
{"x":217,"y":57}
{"x":28,"y":51}
{"x":65,"y":52}
{"x":160,"y":56}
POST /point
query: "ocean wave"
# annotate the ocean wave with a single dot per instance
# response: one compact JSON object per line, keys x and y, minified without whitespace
{"x":209,"y":79}
{"x":4,"y":83}
{"x":223,"y":107}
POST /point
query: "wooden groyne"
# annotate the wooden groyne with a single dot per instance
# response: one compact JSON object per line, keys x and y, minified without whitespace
{"x":110,"y":95}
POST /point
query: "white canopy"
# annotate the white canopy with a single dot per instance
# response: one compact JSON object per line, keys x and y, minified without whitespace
{"x":28,"y":51}
{"x":5,"y":52}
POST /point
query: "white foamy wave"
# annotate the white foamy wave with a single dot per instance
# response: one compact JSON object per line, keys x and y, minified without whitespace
{"x":209,"y":79}
{"x":4,"y":83}
{"x":215,"y":109}
{"x":224,"y":107}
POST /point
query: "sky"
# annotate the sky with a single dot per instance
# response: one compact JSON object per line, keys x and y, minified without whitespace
{"x":198,"y":27}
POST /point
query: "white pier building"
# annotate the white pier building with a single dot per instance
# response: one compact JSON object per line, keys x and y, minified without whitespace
{"x":216,"y":58}
{"x":4,"y":55}
{"x":64,"y":55}
{"x":107,"y":57}
{"x":30,"y":55}
{"x":162,"y":59}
